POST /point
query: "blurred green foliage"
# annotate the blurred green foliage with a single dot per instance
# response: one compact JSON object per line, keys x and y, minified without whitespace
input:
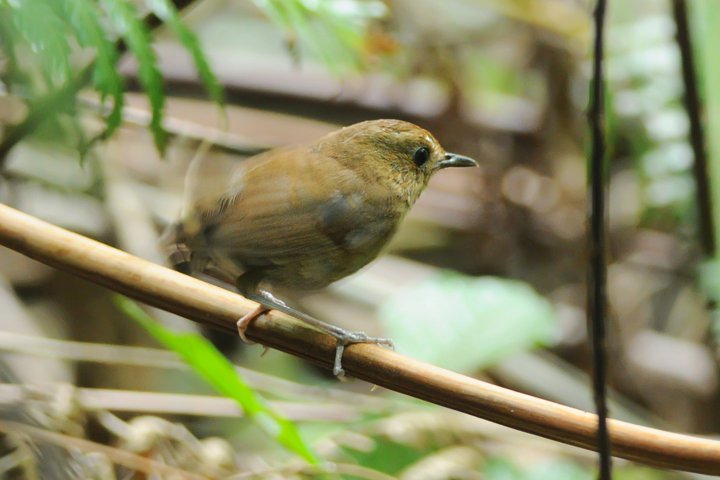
{"x":85,"y":21}
{"x":332,"y":31}
{"x":706,"y":19}
{"x":54,"y":47}
{"x":707,"y":35}
{"x":462,"y":323}
{"x":215,"y":369}
{"x":388,"y":456}
{"x":126,"y":20}
{"x":165,"y":10}
{"x":502,"y":468}
{"x":649,"y":120}
{"x":466,"y":323}
{"x":48,"y":43}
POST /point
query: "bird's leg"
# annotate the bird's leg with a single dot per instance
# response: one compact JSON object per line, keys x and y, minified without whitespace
{"x":343,"y":337}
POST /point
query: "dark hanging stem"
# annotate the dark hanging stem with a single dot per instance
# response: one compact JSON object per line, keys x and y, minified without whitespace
{"x":597,"y":281}
{"x":697,"y":137}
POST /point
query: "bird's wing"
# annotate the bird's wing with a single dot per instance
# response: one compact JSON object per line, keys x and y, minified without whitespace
{"x":294,"y":204}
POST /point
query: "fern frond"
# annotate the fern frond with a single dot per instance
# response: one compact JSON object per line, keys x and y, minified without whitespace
{"x":84,"y":17}
{"x":166,"y":11}
{"x":45,"y":33}
{"x":124,"y":16}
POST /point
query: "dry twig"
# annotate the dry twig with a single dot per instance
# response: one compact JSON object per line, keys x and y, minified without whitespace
{"x":121,"y":457}
{"x":95,"y":399}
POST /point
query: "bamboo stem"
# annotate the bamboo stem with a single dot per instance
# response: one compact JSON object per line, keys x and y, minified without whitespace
{"x":208,"y":304}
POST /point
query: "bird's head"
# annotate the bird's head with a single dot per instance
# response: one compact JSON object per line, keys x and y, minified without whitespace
{"x":392,"y":151}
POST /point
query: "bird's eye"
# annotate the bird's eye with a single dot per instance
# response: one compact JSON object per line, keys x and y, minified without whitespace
{"x":421,"y":156}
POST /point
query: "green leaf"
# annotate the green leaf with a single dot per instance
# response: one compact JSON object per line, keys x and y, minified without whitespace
{"x":125,"y":18}
{"x":166,"y":11}
{"x":84,"y":17}
{"x":45,"y":32}
{"x":215,"y":369}
{"x":466,"y":323}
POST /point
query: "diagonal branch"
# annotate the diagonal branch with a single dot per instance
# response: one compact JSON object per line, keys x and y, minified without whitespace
{"x":164,"y":288}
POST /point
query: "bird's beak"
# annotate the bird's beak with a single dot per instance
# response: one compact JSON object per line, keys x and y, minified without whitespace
{"x":455,"y":160}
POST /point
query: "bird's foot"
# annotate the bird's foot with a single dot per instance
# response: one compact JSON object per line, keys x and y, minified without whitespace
{"x":244,"y":322}
{"x":348,"y":338}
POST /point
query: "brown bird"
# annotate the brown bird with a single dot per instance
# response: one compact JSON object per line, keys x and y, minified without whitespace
{"x":303,"y":217}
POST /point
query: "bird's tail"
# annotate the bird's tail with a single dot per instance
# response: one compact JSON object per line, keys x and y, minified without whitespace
{"x":179,"y":256}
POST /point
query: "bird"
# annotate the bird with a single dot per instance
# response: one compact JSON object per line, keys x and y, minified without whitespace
{"x":302,"y":217}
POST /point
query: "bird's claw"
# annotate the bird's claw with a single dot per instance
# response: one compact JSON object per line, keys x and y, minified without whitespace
{"x":348,"y":338}
{"x":338,"y":371}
